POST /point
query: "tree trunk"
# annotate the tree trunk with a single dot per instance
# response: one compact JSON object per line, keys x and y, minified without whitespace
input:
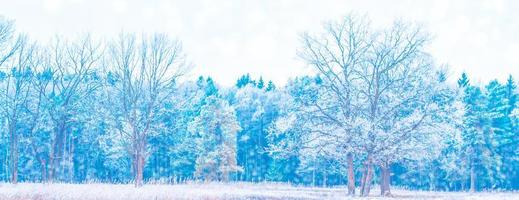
{"x":139,"y":170}
{"x":385,"y":181}
{"x":324,"y":179}
{"x":313,"y":177}
{"x":366,"y":178}
{"x":71,"y":159}
{"x":369,"y":178}
{"x":351,"y":176}
{"x":363,"y":180}
{"x":472,"y":178}
{"x":51,"y":170}
{"x":14,"y":175}
{"x":43,"y":170}
{"x":13,"y":154}
{"x":57,"y":152}
{"x":432,"y":180}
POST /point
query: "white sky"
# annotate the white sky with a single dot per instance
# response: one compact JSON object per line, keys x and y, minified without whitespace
{"x":228,"y":38}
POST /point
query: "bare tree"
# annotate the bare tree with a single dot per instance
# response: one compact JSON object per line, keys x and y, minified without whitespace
{"x":69,"y":64}
{"x":40,"y":80}
{"x":370,"y":78}
{"x":8,"y":45}
{"x":16,"y":97}
{"x":393,"y":83}
{"x":13,"y":93}
{"x":147,"y":72}
{"x":335,"y":54}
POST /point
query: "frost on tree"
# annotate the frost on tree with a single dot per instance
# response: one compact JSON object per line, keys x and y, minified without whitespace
{"x":376,"y":90}
{"x":215,"y":131}
{"x":146,"y":73}
{"x":377,"y":111}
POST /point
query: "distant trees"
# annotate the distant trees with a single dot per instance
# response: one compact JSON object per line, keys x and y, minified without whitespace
{"x":255,"y":110}
{"x":487,"y":130}
{"x":377,"y":110}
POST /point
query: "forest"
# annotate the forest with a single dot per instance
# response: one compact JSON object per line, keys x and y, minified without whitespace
{"x":378,"y":111}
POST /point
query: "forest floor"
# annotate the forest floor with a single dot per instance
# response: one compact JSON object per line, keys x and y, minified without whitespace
{"x":213,"y":191}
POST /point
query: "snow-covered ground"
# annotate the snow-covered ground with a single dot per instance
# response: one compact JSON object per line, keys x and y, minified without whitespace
{"x":211,"y":191}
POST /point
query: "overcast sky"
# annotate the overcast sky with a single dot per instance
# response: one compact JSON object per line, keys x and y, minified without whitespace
{"x":227,"y":38}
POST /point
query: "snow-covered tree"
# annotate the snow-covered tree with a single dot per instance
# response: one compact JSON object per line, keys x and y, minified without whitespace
{"x":16,"y":97}
{"x":215,"y":130}
{"x":146,"y":73}
{"x":509,"y":135}
{"x":8,"y":43}
{"x":377,"y":107}
{"x":337,"y":55}
{"x":70,"y":66}
{"x":256,"y":110}
{"x":376,"y":89}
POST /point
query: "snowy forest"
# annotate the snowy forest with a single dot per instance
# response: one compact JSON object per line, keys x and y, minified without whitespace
{"x":378,"y":111}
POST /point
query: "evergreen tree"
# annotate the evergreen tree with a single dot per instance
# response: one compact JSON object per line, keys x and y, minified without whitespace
{"x":463,"y":81}
{"x":261,"y":84}
{"x":243,"y":81}
{"x":477,"y":136}
{"x":210,"y":88}
{"x":509,"y":137}
{"x":270,"y":86}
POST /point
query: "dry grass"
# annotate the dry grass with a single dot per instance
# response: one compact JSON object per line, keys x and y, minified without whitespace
{"x":210,"y":191}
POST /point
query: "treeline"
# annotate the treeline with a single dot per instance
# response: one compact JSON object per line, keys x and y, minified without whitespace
{"x":377,"y":111}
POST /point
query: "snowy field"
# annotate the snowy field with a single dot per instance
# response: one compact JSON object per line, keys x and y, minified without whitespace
{"x":211,"y":191}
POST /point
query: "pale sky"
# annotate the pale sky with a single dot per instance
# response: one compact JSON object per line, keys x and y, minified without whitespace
{"x":228,"y":38}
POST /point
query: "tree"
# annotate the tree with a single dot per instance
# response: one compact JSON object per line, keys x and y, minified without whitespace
{"x":463,"y":81}
{"x":436,"y":155}
{"x":496,"y":106}
{"x":336,"y":55}
{"x":16,"y":98}
{"x":147,"y":72}
{"x":294,"y":137}
{"x":244,"y":80}
{"x":475,"y":131}
{"x":215,"y":131}
{"x":14,"y":90}
{"x":509,"y":137}
{"x":270,"y":86}
{"x":261,"y":83}
{"x":70,"y":67}
{"x":377,"y":110}
{"x":376,"y":82}
{"x":256,"y":111}
{"x":8,"y":46}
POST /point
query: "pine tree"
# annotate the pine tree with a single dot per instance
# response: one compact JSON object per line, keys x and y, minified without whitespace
{"x":463,"y":81}
{"x":270,"y":86}
{"x":244,"y":80}
{"x":261,"y":84}
{"x":476,"y":135}
{"x":509,"y":138}
{"x":499,"y":124}
{"x":210,"y":87}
